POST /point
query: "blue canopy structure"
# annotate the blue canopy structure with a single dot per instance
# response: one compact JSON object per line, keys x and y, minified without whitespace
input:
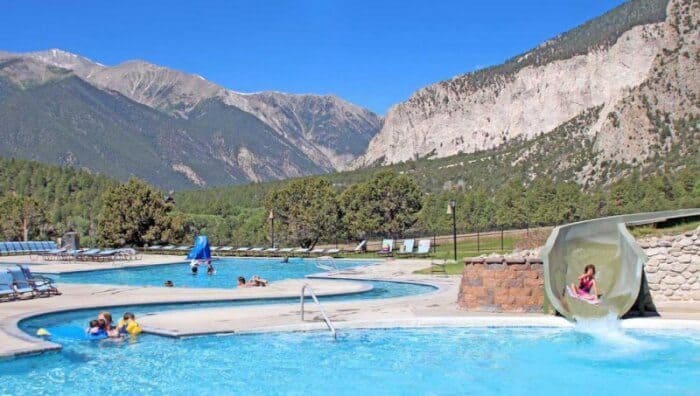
{"x":201,"y":250}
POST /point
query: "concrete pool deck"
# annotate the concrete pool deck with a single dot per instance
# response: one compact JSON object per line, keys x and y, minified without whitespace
{"x":436,"y":308}
{"x":13,"y":341}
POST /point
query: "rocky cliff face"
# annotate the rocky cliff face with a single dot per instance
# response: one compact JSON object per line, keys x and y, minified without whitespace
{"x":633,"y":51}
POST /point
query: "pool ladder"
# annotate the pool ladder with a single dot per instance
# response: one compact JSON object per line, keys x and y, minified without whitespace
{"x":329,"y":324}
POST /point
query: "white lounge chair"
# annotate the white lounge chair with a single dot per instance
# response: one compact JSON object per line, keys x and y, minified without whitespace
{"x":361,"y":247}
{"x":407,"y":247}
{"x":423,"y":247}
{"x":286,"y":250}
{"x":387,"y":247}
{"x":318,"y":251}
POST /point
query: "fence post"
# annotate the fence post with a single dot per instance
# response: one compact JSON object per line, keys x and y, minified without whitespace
{"x":477,"y":240}
{"x":501,"y":238}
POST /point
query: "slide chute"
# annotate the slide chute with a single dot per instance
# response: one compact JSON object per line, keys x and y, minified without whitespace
{"x":201,"y":250}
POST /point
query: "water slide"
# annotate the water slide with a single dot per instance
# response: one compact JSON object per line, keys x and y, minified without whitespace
{"x":619,"y":262}
{"x":201,"y":250}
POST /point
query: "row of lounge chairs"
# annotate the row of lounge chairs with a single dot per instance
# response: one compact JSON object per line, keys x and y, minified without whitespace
{"x":251,"y":251}
{"x":91,"y":254}
{"x":406,"y":249}
{"x":20,"y":283}
{"x":31,"y":247}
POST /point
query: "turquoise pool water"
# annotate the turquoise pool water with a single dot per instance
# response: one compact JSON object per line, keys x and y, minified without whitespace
{"x":227,"y":272}
{"x":444,"y":361}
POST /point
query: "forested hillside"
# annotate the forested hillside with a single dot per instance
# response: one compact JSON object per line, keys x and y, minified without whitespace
{"x":64,"y":198}
{"x":392,"y":201}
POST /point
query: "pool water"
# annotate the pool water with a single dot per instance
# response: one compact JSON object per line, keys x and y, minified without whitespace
{"x":227,"y":272}
{"x":443,"y":361}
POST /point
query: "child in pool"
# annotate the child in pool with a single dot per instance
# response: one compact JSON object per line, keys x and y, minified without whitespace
{"x":586,"y":288}
{"x":210,"y":268}
{"x":93,"y":327}
{"x":128,"y":324}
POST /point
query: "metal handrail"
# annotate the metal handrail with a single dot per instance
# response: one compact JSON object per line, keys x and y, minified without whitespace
{"x":330,"y":267}
{"x":323,"y":311}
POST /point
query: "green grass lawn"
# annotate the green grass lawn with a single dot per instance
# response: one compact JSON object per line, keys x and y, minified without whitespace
{"x":650,"y":230}
{"x":445,"y":251}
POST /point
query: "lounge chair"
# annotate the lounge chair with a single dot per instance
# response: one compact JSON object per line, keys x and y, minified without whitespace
{"x":88,"y":255}
{"x":7,"y":289}
{"x":270,"y":251}
{"x":423,"y":247}
{"x":24,"y":247}
{"x":387,"y":247}
{"x":127,"y":254}
{"x":318,"y":251}
{"x":22,"y":285}
{"x":11,"y":249}
{"x":286,"y":251}
{"x":333,"y":252}
{"x":105,"y":255}
{"x":407,"y":247}
{"x":361,"y":247}
{"x":154,"y":247}
{"x":52,"y":254}
{"x":183,"y":248}
{"x":302,"y":251}
{"x":169,"y":247}
{"x":40,"y":283}
{"x":256,"y":250}
{"x":214,"y":248}
{"x":225,"y":249}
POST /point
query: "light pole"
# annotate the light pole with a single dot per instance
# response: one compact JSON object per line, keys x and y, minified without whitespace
{"x":451,"y":210}
{"x":272,"y":226}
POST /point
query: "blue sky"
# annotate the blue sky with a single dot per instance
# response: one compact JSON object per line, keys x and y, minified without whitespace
{"x":372,"y":53}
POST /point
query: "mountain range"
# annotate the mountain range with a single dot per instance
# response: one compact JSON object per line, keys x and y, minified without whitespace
{"x":621,"y":91}
{"x":175,"y":130}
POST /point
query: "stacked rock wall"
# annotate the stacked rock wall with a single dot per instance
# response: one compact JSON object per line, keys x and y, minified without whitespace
{"x":673,"y":268}
{"x":502,"y":284}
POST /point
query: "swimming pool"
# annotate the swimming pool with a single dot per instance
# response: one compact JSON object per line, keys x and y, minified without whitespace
{"x":227,"y":272}
{"x":484,"y":361}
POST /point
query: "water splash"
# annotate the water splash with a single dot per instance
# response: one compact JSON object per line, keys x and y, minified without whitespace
{"x":608,"y":332}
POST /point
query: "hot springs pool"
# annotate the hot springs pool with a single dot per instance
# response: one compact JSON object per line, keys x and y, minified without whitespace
{"x":227,"y":272}
{"x":596,"y":358}
{"x":484,"y":361}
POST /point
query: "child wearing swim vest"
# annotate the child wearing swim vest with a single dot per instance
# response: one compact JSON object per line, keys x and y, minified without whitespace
{"x":128,"y":325}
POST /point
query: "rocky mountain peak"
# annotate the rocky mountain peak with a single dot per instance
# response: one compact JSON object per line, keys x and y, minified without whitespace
{"x":593,"y":65}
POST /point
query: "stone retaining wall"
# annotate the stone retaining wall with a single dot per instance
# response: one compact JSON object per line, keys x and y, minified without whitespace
{"x":502,"y":284}
{"x":673,"y":268}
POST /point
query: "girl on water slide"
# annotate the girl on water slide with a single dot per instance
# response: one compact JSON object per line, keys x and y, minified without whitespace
{"x":586,"y":288}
